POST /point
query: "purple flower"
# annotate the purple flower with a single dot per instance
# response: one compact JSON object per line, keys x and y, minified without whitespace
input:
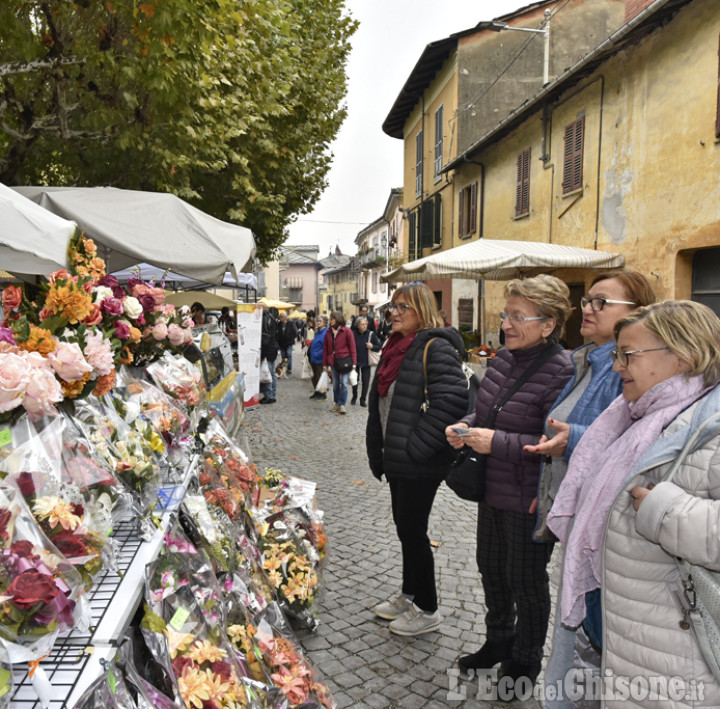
{"x":118,"y":292}
{"x":147,"y":302}
{"x":109,"y":281}
{"x":132,"y":282}
{"x":112,"y":306}
{"x":122,"y":330}
{"x":7,"y":336}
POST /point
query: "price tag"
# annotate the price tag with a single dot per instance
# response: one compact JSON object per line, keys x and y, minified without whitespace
{"x":111,"y":681}
{"x":178,"y":620}
{"x":4,"y":682}
{"x":5,"y":437}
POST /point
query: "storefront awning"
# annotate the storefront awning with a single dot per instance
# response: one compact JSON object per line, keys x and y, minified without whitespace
{"x":497,"y":260}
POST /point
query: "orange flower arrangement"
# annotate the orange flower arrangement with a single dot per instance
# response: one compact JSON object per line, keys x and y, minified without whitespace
{"x":71,"y":390}
{"x":67,"y":299}
{"x":40,"y":340}
{"x":104,"y":384}
{"x":125,"y":356}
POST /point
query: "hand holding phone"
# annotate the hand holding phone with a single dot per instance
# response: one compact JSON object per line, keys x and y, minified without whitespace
{"x":460,"y":430}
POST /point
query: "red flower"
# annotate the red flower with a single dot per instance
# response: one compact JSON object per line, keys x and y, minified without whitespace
{"x":23,"y":548}
{"x":26,"y":484}
{"x":69,"y":545}
{"x":180,"y":663}
{"x":30,"y":588}
{"x":5,"y":516}
{"x":11,"y":298}
{"x":78,"y":510}
{"x":219,"y":667}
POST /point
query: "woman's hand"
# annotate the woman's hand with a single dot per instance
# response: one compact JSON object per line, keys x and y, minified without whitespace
{"x":369,"y":345}
{"x":480,"y":440}
{"x":455,"y":439}
{"x":555,"y":446}
{"x":639,"y":494}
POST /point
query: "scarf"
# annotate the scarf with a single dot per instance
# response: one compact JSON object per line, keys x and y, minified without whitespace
{"x":393,"y":355}
{"x":599,"y":468}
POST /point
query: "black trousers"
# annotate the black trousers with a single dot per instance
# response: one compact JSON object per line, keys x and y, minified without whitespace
{"x":364,"y":377}
{"x":515,"y":580}
{"x":412,"y":501}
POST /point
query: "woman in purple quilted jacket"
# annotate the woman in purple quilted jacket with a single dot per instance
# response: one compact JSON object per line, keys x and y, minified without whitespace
{"x":512,"y":565}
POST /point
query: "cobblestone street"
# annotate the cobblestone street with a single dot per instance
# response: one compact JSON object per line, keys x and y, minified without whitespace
{"x":364,"y":664}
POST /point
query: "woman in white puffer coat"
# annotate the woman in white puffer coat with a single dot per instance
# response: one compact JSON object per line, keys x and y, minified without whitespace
{"x":623,"y":526}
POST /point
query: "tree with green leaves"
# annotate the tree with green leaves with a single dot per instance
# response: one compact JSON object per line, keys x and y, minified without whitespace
{"x":230,"y":104}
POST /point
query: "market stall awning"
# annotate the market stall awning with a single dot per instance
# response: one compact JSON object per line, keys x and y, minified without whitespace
{"x":497,"y":260}
{"x":33,"y":241}
{"x":153,"y":227}
{"x":148,"y":272}
{"x":210,"y":301}
{"x":279,"y":304}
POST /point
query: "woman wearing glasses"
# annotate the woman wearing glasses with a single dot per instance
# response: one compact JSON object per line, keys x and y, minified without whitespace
{"x":611,"y":296}
{"x":512,"y":565}
{"x":419,"y":388}
{"x":622,"y":525}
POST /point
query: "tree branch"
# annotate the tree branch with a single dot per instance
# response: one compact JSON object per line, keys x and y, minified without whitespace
{"x":34,"y":65}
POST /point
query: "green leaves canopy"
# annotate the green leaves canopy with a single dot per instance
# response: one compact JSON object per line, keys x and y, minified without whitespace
{"x":229,"y":104}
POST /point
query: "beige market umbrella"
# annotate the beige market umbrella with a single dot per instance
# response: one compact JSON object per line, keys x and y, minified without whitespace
{"x":210,"y":301}
{"x":279,"y":304}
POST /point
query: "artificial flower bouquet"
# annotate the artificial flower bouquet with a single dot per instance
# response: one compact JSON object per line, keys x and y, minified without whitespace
{"x":180,"y":379}
{"x":39,"y":587}
{"x":67,"y":522}
{"x":198,"y":657}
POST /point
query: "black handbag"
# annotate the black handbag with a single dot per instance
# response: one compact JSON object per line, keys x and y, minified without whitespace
{"x":467,"y":472}
{"x":343,"y":364}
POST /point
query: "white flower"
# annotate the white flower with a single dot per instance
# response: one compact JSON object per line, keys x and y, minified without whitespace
{"x":102,"y":292}
{"x":132,"y":307}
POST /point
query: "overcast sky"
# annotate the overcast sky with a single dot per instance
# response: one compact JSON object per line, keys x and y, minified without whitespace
{"x":367,"y":163}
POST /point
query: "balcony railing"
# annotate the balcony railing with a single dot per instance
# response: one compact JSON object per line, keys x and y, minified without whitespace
{"x":373,"y":257}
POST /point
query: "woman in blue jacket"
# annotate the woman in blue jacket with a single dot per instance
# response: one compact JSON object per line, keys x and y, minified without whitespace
{"x":315,"y":354}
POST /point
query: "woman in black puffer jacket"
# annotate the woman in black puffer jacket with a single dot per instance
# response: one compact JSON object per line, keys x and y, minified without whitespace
{"x":410,"y":407}
{"x":512,"y":565}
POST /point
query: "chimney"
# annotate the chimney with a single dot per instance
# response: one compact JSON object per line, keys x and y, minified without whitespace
{"x":635,"y":7}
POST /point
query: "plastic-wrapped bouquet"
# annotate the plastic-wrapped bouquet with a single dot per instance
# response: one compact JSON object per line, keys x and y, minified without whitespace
{"x":40,"y":588}
{"x":179,"y":378}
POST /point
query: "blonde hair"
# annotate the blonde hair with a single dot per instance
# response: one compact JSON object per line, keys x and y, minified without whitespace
{"x":422,"y":299}
{"x":549,"y":295}
{"x":689,"y":329}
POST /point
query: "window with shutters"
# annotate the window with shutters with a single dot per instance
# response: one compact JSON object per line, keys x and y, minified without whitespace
{"x":465,"y":313}
{"x":375,"y":281}
{"x":418,"y":164}
{"x":717,"y":107}
{"x":437,"y":224}
{"x":522,"y":187}
{"x":438,"y":143}
{"x":467,"y":210}
{"x":427,"y":222}
{"x":573,"y":156}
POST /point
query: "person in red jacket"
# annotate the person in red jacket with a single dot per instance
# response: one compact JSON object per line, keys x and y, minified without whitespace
{"x":339,"y":353}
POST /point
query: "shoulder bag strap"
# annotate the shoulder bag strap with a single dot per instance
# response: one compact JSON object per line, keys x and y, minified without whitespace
{"x":426,"y":403}
{"x":533,"y":367}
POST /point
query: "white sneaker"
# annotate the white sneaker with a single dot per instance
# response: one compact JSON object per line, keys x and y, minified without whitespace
{"x":342,"y":410}
{"x":415,"y":622}
{"x":394,"y":608}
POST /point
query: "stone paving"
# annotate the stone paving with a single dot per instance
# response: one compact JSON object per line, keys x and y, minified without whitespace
{"x":364,"y":664}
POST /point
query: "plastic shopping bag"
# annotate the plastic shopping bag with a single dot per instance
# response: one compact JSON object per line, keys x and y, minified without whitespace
{"x":306,"y":369}
{"x":265,"y":373}
{"x":323,"y":382}
{"x":353,"y":378}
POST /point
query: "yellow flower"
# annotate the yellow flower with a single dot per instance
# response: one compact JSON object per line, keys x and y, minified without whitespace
{"x":275,"y":578}
{"x":89,"y":246}
{"x":205,"y":651}
{"x":218,"y":689}
{"x":236,"y":632}
{"x":177,"y":642}
{"x":56,"y":511}
{"x":40,"y":340}
{"x":70,"y":301}
{"x":194,"y":687}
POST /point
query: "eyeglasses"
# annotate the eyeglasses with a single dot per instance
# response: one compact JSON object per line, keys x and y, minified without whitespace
{"x":597,"y":304}
{"x":517,"y":318}
{"x":400,"y":307}
{"x":622,"y":358}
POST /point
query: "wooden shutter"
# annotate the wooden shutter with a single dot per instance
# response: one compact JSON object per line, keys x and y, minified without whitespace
{"x":437,"y":225}
{"x":473,"y":208}
{"x":427,"y":219}
{"x":465,"y":312}
{"x":573,"y":156}
{"x":412,"y":221}
{"x":461,"y":213}
{"x":717,"y":107}
{"x":522,"y":188}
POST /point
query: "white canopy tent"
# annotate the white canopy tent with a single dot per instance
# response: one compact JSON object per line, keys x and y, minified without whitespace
{"x":497,"y":260}
{"x":158,"y":228}
{"x":176,"y":281}
{"x":32,"y":240}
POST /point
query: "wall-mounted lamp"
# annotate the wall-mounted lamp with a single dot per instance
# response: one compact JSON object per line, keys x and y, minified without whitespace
{"x":495,"y":26}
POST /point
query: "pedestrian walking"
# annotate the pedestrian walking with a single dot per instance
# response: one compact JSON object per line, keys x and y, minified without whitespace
{"x":363,"y":313}
{"x":287,"y":335}
{"x":419,"y":389}
{"x":339,"y":358}
{"x":511,"y":564}
{"x":269,"y":349}
{"x":385,"y":327}
{"x":315,"y":355}
{"x":365,"y":342}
